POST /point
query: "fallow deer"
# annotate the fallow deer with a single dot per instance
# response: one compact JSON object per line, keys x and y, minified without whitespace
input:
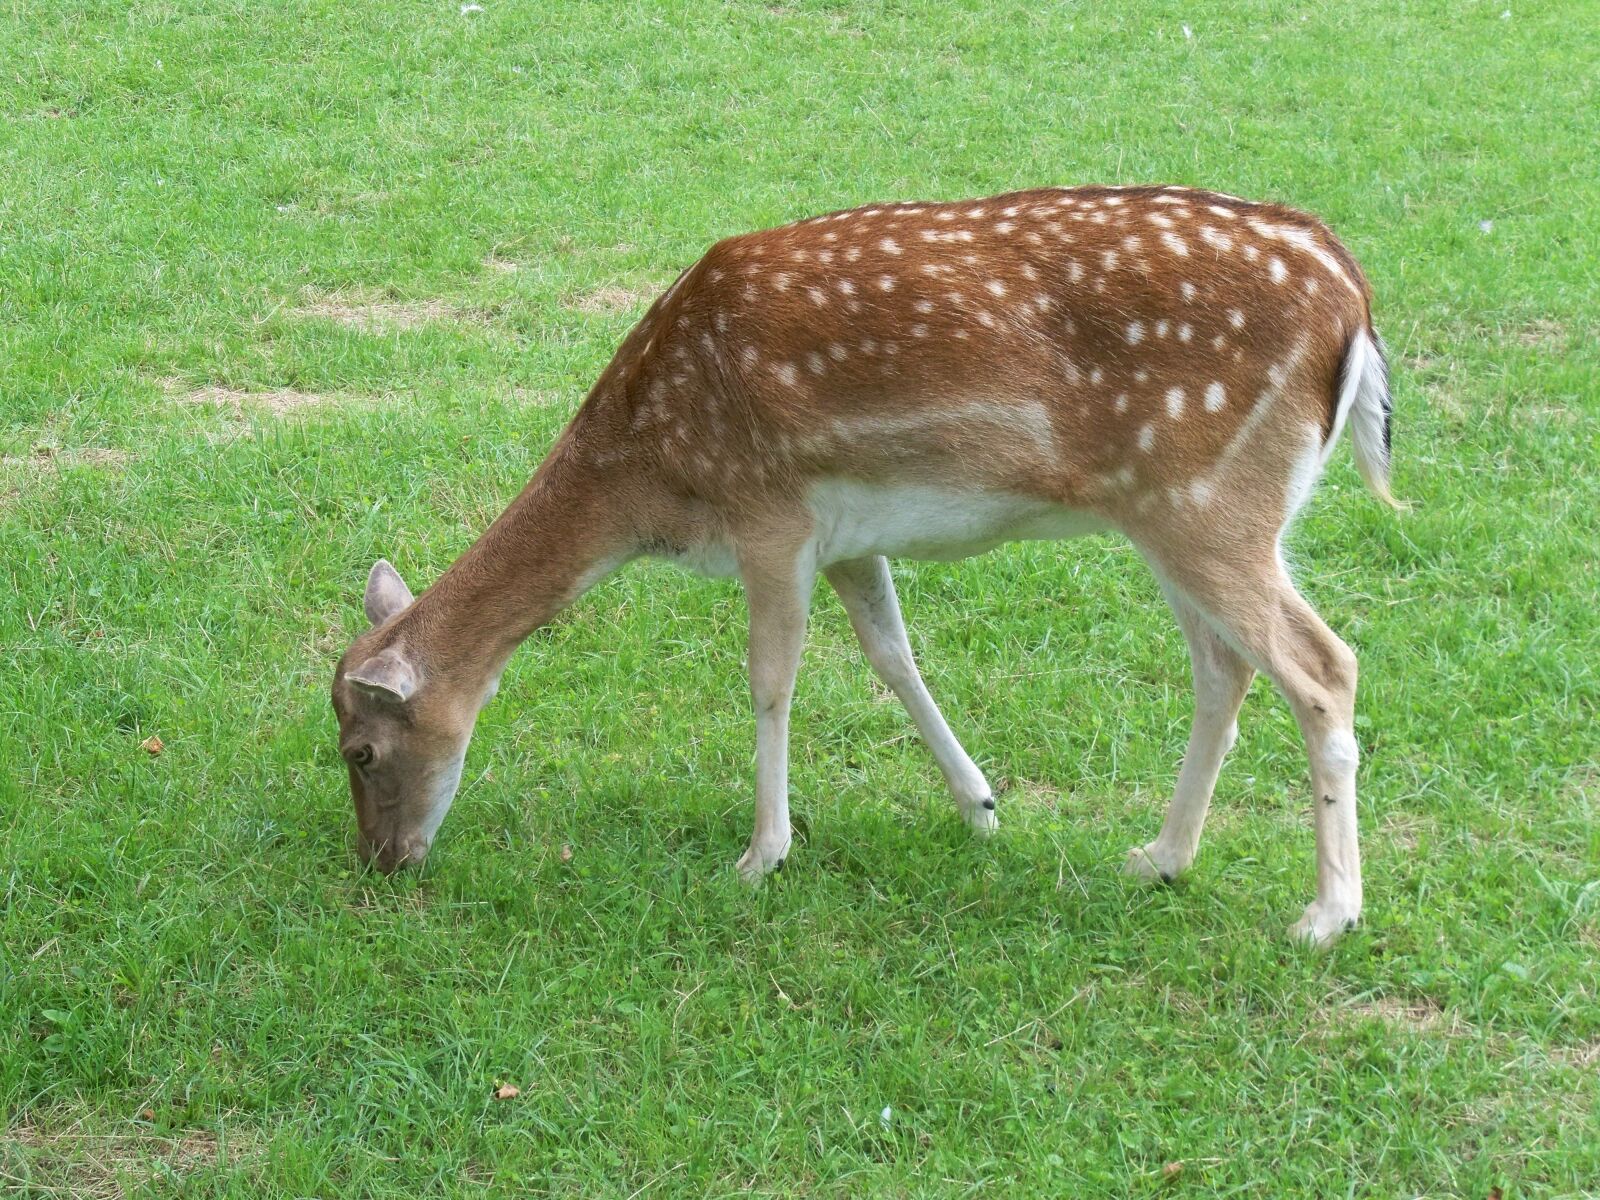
{"x":928,"y":380}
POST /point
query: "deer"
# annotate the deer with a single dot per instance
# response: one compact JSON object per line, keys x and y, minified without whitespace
{"x":929,"y":380}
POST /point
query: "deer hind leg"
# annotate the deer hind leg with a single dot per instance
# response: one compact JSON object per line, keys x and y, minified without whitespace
{"x":867,"y":590}
{"x":778,"y":586}
{"x":1261,"y":615}
{"x":1221,"y":679}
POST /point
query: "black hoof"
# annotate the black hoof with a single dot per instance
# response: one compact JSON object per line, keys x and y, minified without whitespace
{"x":1166,"y":878}
{"x":989,"y":804}
{"x":778,"y":866}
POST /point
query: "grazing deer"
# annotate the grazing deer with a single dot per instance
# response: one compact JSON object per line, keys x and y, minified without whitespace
{"x":929,"y":380}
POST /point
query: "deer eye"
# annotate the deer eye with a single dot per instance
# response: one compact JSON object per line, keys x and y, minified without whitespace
{"x":359,"y":757}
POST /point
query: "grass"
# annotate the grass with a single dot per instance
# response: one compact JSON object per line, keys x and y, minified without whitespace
{"x":287,"y":287}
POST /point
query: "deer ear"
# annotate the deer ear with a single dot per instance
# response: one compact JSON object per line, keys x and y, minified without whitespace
{"x":388,"y":675}
{"x":386,"y":594}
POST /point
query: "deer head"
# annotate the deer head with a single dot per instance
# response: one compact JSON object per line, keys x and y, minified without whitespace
{"x":403,"y":730}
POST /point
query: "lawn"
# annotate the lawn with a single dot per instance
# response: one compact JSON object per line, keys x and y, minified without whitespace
{"x":285,"y":287}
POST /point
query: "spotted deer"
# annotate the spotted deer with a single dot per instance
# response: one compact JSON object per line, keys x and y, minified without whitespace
{"x":928,"y":380}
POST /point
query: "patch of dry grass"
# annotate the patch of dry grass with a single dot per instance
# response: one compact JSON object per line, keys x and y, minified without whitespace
{"x":1583,"y":1055}
{"x":1403,"y":830}
{"x":380,"y":316}
{"x":276,"y":402}
{"x":73,"y":1161}
{"x":48,"y":458}
{"x":612,"y":298}
{"x":1542,"y":334}
{"x":539,"y":397}
{"x":1422,"y":1014}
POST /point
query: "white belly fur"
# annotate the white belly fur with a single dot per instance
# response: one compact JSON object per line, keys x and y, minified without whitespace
{"x":855,"y":520}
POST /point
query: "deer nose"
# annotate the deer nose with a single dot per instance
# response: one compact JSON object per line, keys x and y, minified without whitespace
{"x":393,"y":855}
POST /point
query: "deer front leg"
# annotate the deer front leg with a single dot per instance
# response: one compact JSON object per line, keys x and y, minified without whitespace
{"x":866,"y":589}
{"x":779,"y":593}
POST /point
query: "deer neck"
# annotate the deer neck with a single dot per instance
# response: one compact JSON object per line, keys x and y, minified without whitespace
{"x":561,"y":536}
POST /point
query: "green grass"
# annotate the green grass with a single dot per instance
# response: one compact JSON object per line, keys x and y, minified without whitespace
{"x":200,"y":996}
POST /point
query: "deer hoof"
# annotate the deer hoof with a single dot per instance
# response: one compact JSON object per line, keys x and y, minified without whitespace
{"x":980,"y":817}
{"x":760,"y":861}
{"x":1150,"y":863}
{"x":1324,"y":922}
